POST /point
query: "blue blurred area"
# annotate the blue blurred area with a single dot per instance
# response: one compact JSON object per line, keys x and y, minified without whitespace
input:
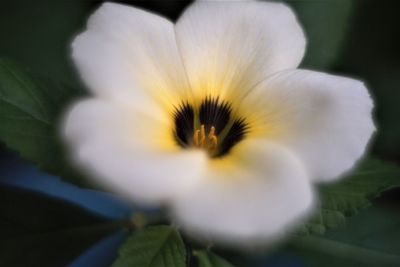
{"x":15,"y":172}
{"x":278,"y":259}
{"x":101,"y":254}
{"x":18,"y":173}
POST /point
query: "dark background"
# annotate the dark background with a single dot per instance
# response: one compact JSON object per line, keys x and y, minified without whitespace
{"x":356,"y":38}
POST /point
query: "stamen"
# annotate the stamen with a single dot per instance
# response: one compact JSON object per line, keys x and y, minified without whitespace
{"x":214,"y":142}
{"x":212,"y":126}
{"x":196,"y":138}
{"x":212,"y":132}
{"x":201,"y":140}
{"x":202,"y":135}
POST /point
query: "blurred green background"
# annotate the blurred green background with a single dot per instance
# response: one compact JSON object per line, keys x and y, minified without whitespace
{"x":356,"y":38}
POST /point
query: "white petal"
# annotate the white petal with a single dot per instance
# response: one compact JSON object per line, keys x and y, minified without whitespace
{"x":255,"y":195}
{"x":129,"y":151}
{"x":325,"y":119}
{"x":131,"y":55}
{"x":228,"y":46}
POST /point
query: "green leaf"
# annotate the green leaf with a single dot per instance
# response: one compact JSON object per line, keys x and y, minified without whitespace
{"x":37,"y":230}
{"x":372,"y":238}
{"x":325,"y":23}
{"x":156,"y":246}
{"x":352,"y":193}
{"x":209,"y":259}
{"x":30,"y":111}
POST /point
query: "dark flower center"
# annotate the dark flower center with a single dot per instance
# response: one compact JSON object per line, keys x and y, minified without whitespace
{"x":210,"y":126}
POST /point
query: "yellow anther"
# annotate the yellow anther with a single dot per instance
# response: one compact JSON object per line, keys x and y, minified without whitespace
{"x":201,"y":140}
{"x":202,"y":135}
{"x":212,"y":132}
{"x":214,"y":142}
{"x":196,"y":138}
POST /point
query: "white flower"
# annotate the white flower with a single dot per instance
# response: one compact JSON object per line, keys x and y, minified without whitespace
{"x":211,"y":117}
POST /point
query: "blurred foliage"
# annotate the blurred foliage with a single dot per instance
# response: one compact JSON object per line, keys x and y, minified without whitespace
{"x":41,"y":231}
{"x":154,"y":246}
{"x":209,"y":259}
{"x":38,"y":34}
{"x":326,"y":25}
{"x":30,"y":112}
{"x":353,"y":193}
{"x":371,"y":52}
{"x":369,"y":239}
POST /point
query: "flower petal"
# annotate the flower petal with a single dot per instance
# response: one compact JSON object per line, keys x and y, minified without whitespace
{"x":255,"y":194}
{"x":129,"y":151}
{"x":325,"y":119}
{"x":228,"y":46}
{"x":131,"y":55}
